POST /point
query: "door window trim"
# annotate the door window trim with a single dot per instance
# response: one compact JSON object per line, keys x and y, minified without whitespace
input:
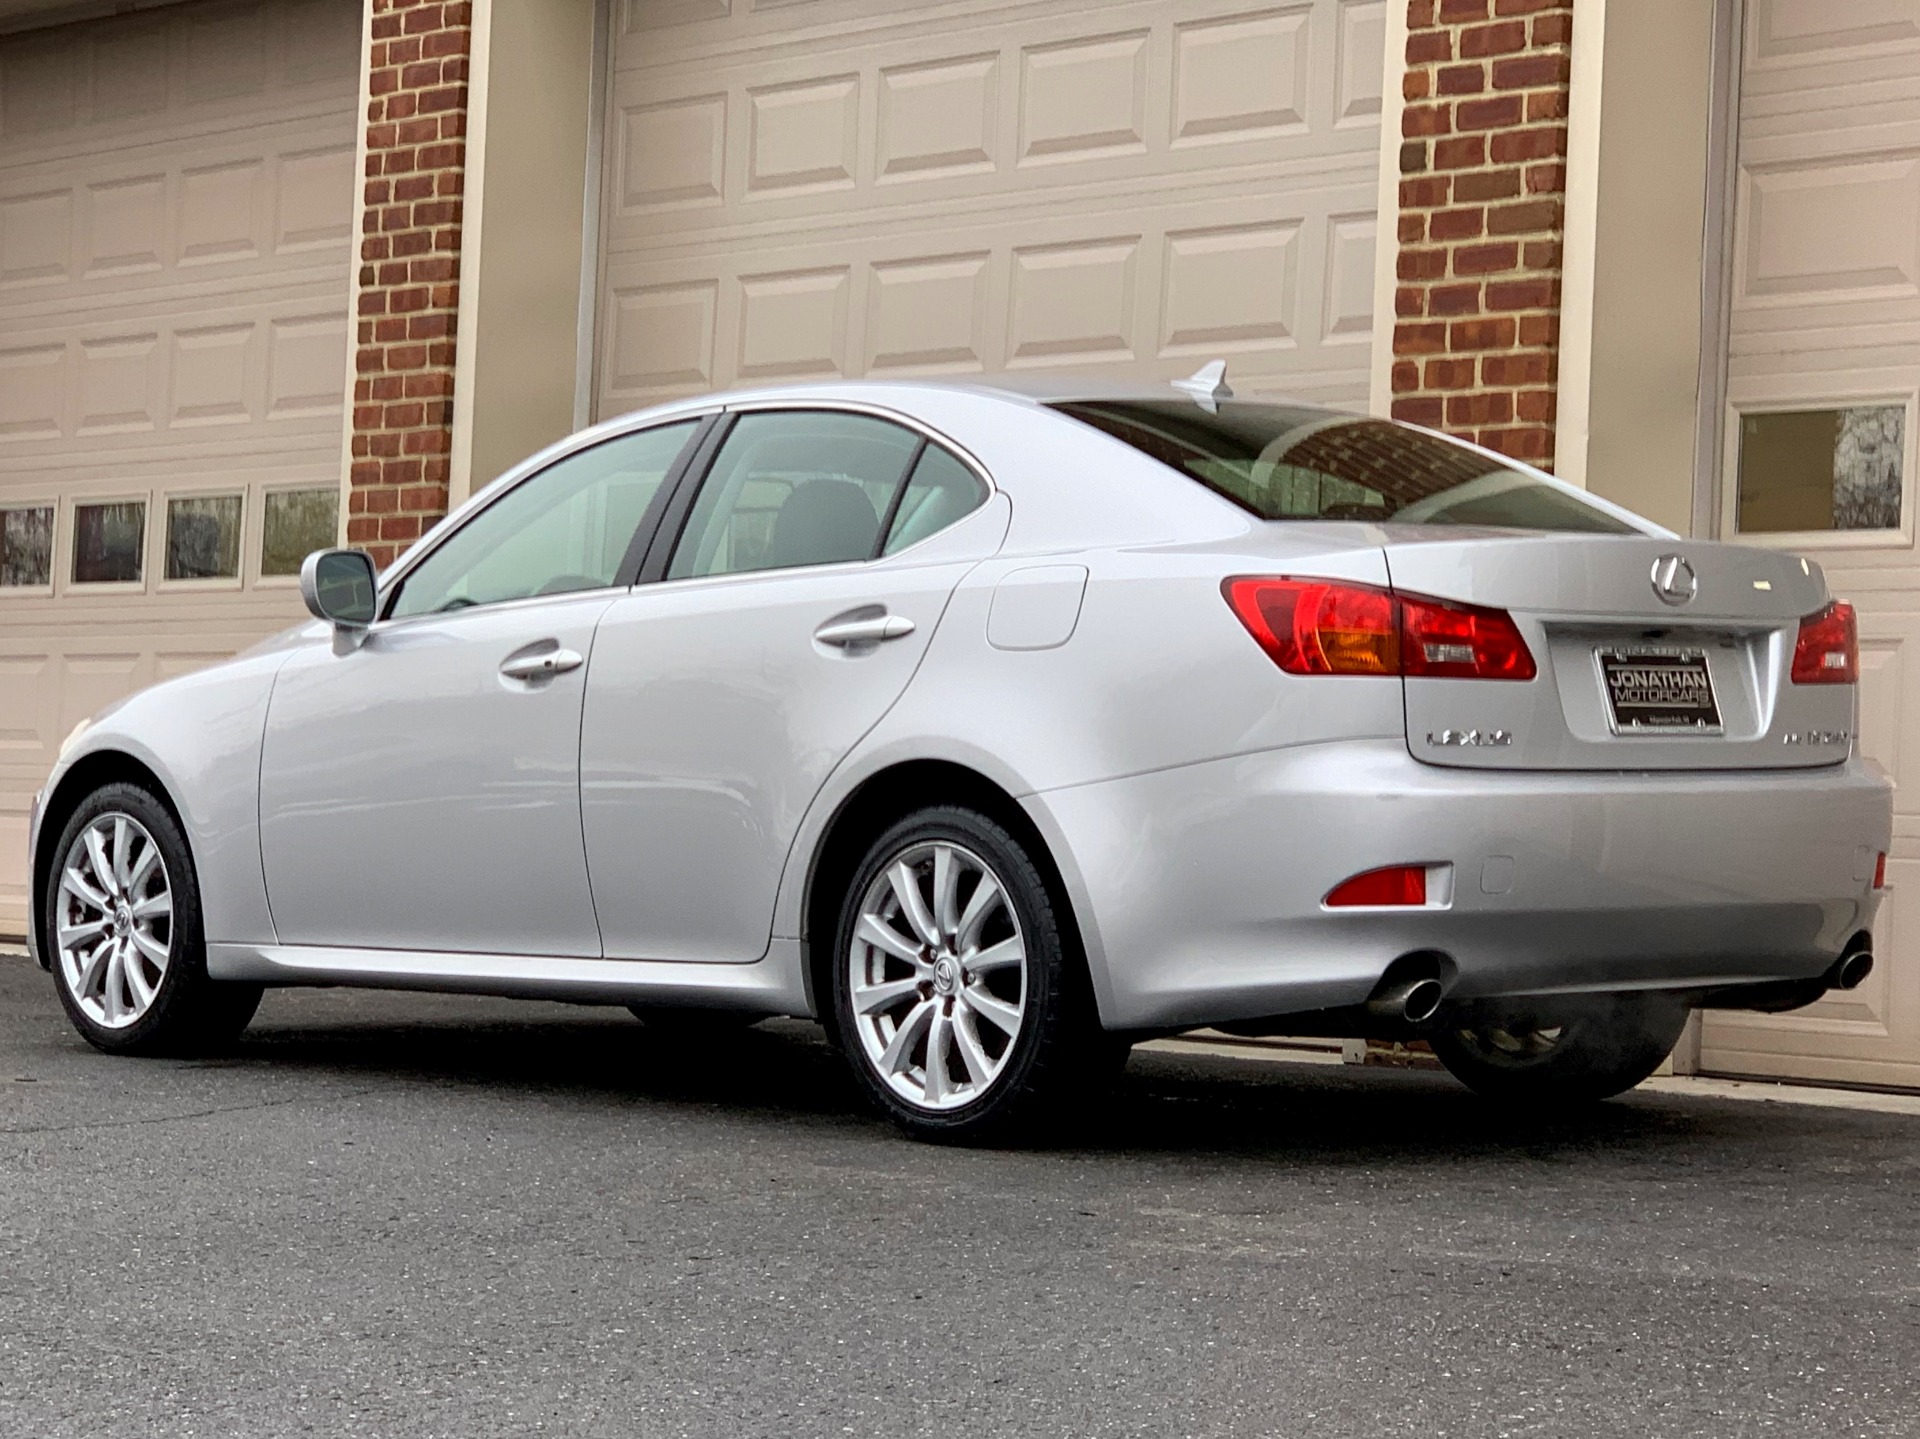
{"x":666,"y":536}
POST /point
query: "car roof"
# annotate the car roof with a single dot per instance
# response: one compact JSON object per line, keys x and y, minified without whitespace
{"x":1019,"y":389}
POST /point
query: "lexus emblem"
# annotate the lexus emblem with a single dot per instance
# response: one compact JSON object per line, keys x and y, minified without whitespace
{"x":1674,"y":580}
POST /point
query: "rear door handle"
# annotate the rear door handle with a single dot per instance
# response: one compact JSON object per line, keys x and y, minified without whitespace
{"x":866,"y":630}
{"x":540,"y":663}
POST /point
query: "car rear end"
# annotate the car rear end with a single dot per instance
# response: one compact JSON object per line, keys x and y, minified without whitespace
{"x":1626,"y":762}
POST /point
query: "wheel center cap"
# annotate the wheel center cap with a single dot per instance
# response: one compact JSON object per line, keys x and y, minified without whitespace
{"x":122,"y":918}
{"x":946,"y":976}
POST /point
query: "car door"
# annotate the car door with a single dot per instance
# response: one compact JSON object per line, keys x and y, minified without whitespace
{"x":788,"y":617}
{"x":421,"y":790}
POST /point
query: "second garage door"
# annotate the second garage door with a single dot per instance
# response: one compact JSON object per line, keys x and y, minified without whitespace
{"x":821,"y":188}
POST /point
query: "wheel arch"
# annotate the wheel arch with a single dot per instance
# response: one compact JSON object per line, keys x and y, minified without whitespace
{"x":90,"y":772}
{"x":879,"y":800}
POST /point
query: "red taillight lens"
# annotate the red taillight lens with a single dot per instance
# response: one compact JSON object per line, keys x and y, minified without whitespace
{"x":1880,"y":871}
{"x":1399,"y":884}
{"x":1317,"y":627}
{"x":1461,"y":641}
{"x":1327,"y":627}
{"x":1828,"y":650}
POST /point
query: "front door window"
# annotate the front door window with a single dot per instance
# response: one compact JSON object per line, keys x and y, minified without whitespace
{"x":566,"y":529}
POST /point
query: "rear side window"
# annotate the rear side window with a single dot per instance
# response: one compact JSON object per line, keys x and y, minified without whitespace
{"x":1286,"y":462}
{"x":792,"y":488}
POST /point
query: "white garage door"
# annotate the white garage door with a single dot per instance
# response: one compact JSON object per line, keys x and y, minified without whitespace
{"x":810,"y":188}
{"x":175,"y":199}
{"x":1824,"y":366}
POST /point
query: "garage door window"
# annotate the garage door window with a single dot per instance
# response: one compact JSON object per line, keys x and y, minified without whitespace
{"x":107,"y":542}
{"x":295,"y":523}
{"x":203,"y":538}
{"x":26,"y":547}
{"x":1805,"y":471}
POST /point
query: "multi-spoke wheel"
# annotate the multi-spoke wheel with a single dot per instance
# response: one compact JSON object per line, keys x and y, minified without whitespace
{"x":123,"y":923}
{"x":1574,"y":1053}
{"x":955,"y":999}
{"x":114,"y":913}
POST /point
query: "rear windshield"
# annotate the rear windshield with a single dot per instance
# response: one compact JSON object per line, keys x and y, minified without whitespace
{"x":1286,"y":462}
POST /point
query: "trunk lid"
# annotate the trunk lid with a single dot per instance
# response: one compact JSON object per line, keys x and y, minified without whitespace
{"x":1589,"y":608}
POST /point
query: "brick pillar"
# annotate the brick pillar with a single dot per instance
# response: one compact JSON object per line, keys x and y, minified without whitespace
{"x":408,"y":287}
{"x":1483,"y":179}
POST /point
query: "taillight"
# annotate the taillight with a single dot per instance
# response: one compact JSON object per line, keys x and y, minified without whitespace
{"x":1828,"y":650}
{"x":1316,"y":627}
{"x":1880,"y":870}
{"x":1461,"y":641}
{"x":1399,"y":885}
{"x":1328,"y":627}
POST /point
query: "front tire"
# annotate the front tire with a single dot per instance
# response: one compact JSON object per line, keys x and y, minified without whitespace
{"x":122,"y":917}
{"x":1579,"y":1055}
{"x":960,"y":1002}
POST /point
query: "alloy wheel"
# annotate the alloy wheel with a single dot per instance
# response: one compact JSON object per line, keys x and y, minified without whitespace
{"x":114,"y":919}
{"x":938,"y":975}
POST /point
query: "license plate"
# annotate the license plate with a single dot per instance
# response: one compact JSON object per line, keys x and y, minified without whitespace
{"x":1657,"y":690}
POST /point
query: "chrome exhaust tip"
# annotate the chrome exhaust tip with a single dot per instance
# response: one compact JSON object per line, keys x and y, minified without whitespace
{"x":1412,"y":1001}
{"x":1850,"y":971}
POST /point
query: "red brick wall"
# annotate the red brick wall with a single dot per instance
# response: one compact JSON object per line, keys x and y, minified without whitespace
{"x":408,"y":286}
{"x":1482,"y":187}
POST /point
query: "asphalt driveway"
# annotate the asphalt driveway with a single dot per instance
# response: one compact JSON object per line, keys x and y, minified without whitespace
{"x":413,"y":1215}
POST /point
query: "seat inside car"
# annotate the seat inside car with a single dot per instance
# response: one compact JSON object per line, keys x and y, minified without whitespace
{"x":823,"y":522}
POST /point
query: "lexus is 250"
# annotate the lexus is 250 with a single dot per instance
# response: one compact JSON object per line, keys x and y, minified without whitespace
{"x":996,"y":726}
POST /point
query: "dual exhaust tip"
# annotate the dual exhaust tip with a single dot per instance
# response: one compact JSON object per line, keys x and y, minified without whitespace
{"x":1409,"y":1001}
{"x":1850,"y":971}
{"x":1416,"y":999}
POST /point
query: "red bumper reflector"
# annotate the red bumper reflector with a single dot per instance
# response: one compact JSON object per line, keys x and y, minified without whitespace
{"x":1880,"y":871}
{"x":1399,"y":884}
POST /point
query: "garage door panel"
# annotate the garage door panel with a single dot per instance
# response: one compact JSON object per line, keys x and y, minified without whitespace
{"x":1826,"y":313}
{"x":176,"y":197}
{"x":1125,"y":188}
{"x":1287,"y":296}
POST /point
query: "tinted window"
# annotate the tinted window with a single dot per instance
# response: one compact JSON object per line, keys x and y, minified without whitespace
{"x":107,"y":541}
{"x":794,"y":488}
{"x":1287,"y":462}
{"x":940,"y":491}
{"x":565,"y":529}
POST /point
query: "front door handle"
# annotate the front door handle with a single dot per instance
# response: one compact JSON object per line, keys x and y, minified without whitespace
{"x":866,"y":630}
{"x":542,"y":663}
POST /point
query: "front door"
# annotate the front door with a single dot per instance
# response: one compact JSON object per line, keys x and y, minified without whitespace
{"x":421,"y":791}
{"x":795,"y":609}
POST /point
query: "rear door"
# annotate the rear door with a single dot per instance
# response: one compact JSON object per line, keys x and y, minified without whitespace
{"x":806,"y":581}
{"x":1652,"y":654}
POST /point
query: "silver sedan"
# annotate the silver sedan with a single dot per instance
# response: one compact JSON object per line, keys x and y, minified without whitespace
{"x":996,"y":727}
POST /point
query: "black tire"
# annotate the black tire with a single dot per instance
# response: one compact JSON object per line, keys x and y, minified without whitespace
{"x":190,"y":1013}
{"x":1059,"y":1052}
{"x":1577,"y":1055}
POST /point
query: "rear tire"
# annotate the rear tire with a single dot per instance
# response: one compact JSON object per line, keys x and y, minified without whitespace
{"x":122,"y":923}
{"x":1576,"y":1056}
{"x":960,"y":1000}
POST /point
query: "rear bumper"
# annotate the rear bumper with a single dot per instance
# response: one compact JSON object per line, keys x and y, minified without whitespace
{"x":1199,"y":889}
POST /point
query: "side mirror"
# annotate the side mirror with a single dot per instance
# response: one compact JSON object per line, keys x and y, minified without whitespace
{"x":338,"y":586}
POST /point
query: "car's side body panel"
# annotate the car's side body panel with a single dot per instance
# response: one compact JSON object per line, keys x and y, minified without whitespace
{"x":412,"y":795}
{"x":200,"y":735}
{"x":713,"y":716}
